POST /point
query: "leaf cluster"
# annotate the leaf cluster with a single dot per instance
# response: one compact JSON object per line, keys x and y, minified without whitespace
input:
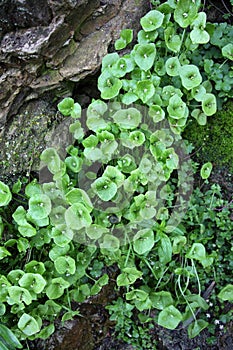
{"x":109,"y":201}
{"x":179,"y":55}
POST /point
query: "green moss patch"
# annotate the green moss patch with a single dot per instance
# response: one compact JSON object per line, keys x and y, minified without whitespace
{"x":214,"y":141}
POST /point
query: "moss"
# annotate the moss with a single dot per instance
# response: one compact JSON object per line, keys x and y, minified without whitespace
{"x":214,"y":141}
{"x":24,"y":139}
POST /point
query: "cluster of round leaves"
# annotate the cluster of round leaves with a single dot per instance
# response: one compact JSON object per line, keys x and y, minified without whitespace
{"x":67,"y":213}
{"x":158,"y":71}
{"x":40,"y":288}
{"x":83,"y":205}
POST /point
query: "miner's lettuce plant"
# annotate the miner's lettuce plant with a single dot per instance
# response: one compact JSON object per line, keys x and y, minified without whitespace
{"x":110,"y":198}
{"x":172,"y":37}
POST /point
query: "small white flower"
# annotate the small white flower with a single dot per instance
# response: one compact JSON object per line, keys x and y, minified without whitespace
{"x":216,"y":321}
{"x":208,"y":315}
{"x":221,"y":326}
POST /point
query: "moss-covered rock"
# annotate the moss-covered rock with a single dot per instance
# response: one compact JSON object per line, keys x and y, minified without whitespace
{"x":24,"y":139}
{"x":214,"y":141}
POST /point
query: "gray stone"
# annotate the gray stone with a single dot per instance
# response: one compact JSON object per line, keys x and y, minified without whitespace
{"x":47,"y":46}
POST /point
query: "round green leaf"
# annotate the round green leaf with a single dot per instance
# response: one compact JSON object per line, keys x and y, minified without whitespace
{"x":39,"y":206}
{"x":76,"y":111}
{"x":145,"y":90}
{"x":108,"y":85}
{"x":156,"y":113}
{"x":95,"y":112}
{"x":56,"y":288}
{"x":58,"y":251}
{"x":93,"y":154}
{"x":196,"y":327}
{"x":172,"y":66}
{"x":35,"y":267}
{"x":169,"y":317}
{"x":178,"y":243}
{"x":51,"y":158}
{"x":128,"y":276}
{"x":190,"y":76}
{"x":109,"y":60}
{"x":198,"y":93}
{"x":19,"y":216}
{"x":128,"y":98}
{"x":74,"y":163}
{"x":144,"y":55}
{"x":160,"y":300}
{"x":127,"y":118}
{"x":185,"y":12}
{"x":206,"y":170}
{"x":46,"y":332}
{"x":62,"y":235}
{"x":57,"y":215}
{"x":66,"y":106}
{"x":136,"y":138}
{"x":209,"y":104}
{"x":95,"y":231}
{"x":226,"y":293}
{"x":177,"y":109}
{"x":114,"y":175}
{"x":27,"y":230}
{"x":77,"y":216}
{"x":147,"y":37}
{"x":126,"y":37}
{"x":167,"y":92}
{"x":227,"y":51}
{"x":199,"y":116}
{"x":33,"y":282}
{"x":123,"y":66}
{"x":77,"y":130}
{"x":197,"y":252}
{"x":77,"y":195}
{"x":5,"y":194}
{"x":104,"y":188}
{"x":199,"y":36}
{"x":17,"y":295}
{"x":126,"y":163}
{"x":143,"y":241}
{"x":15,"y":275}
{"x":152,"y":20}
{"x":172,"y":40}
{"x":90,"y":142}
{"x":28,"y":325}
{"x":65,"y":265}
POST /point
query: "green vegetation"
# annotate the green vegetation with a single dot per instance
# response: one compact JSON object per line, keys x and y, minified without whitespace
{"x":123,"y":194}
{"x":214,"y":141}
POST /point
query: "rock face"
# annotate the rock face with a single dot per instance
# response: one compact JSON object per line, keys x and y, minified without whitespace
{"x":47,"y":46}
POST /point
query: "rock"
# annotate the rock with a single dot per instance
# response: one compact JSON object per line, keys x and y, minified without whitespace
{"x":55,"y":41}
{"x":46,"y":47}
{"x":24,"y":139}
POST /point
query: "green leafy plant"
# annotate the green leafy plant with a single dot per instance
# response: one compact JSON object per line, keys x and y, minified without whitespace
{"x":120,"y":192}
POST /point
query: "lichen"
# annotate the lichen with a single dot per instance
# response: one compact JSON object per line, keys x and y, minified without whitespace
{"x":24,"y":140}
{"x":214,"y":141}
